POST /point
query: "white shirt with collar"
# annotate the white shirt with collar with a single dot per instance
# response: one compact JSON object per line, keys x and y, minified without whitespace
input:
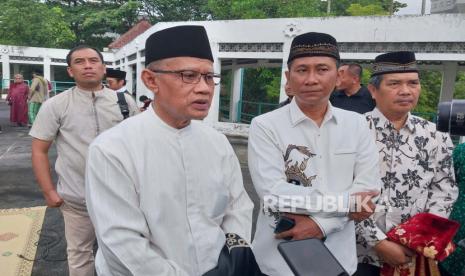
{"x":161,"y":199}
{"x":122,"y":89}
{"x":338,"y":158}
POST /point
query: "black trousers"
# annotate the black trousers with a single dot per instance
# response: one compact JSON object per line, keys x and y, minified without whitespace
{"x":367,"y":270}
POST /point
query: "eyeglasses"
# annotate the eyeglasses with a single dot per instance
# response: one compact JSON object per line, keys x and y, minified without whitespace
{"x":193,"y":77}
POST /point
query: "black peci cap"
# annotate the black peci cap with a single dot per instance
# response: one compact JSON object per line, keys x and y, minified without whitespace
{"x":395,"y":62}
{"x":313,"y":44}
{"x":179,"y":41}
{"x":117,"y":74}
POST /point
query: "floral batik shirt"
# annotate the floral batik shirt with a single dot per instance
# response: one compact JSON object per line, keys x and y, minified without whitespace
{"x":417,"y":176}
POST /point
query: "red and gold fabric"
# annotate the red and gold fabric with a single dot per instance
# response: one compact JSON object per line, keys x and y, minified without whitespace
{"x":430,"y":236}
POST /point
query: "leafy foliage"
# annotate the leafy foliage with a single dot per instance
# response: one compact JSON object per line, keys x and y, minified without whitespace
{"x":97,"y":23}
{"x":430,"y":89}
{"x":65,"y":23}
{"x":460,"y":86}
{"x":359,"y":10}
{"x":174,"y":10}
{"x":247,"y":9}
{"x":31,"y":23}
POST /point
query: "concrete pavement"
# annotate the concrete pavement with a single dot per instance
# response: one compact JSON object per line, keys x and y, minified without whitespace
{"x":18,"y":189}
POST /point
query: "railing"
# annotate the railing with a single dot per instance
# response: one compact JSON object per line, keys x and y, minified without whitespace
{"x":57,"y":86}
{"x":224,"y":109}
{"x":6,"y":83}
{"x":60,"y":86}
{"x":248,"y":110}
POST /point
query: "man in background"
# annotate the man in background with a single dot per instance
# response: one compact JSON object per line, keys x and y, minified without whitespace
{"x":116,"y":80}
{"x":17,"y":100}
{"x":350,"y":94}
{"x":146,"y":101}
{"x":415,"y":162}
{"x":72,"y":119}
{"x":37,"y":94}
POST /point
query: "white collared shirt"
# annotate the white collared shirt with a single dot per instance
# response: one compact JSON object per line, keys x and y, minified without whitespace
{"x":122,"y":89}
{"x":337,"y":158}
{"x":161,"y":199}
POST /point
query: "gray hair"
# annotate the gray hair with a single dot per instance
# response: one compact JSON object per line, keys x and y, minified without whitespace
{"x":155,"y":64}
{"x":376,"y":81}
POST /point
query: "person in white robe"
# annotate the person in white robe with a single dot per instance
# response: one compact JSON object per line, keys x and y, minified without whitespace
{"x":163,"y":190}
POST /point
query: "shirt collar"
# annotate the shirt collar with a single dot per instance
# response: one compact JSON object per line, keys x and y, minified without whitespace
{"x":341,"y":93}
{"x":88,"y":93}
{"x":297,"y":116}
{"x":164,"y":125}
{"x":122,"y":89}
{"x":383,"y":121}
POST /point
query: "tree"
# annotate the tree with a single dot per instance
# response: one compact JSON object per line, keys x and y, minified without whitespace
{"x":31,"y":23}
{"x":430,"y":89}
{"x":380,"y":7}
{"x":248,"y":9}
{"x":97,"y":23}
{"x":174,"y":10}
{"x":459,"y":92}
{"x":359,"y":10}
{"x":262,"y":84}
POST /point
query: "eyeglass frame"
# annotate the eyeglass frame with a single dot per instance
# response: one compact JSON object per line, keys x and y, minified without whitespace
{"x":181,"y":73}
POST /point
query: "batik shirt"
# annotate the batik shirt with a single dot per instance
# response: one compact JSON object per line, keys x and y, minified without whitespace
{"x":417,"y":174}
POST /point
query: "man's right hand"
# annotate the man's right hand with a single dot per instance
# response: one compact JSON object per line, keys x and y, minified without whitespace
{"x":393,"y":254}
{"x":364,"y":206}
{"x":53,"y":199}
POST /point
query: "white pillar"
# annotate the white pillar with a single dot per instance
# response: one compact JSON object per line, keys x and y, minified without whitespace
{"x":16,"y":70}
{"x":129,"y":78}
{"x":47,"y":67}
{"x":448,"y":81}
{"x":6,"y":71}
{"x":139,"y":67}
{"x":286,"y":49}
{"x":52,"y":73}
{"x":236,"y":93}
{"x":141,"y":88}
{"x":214,"y":111}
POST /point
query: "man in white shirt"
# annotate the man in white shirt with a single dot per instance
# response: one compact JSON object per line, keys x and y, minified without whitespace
{"x":116,"y":80}
{"x":415,"y":162}
{"x":164,"y":190}
{"x":72,"y":119}
{"x":309,"y":152}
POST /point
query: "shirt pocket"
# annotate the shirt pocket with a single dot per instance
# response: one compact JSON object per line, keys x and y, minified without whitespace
{"x":348,"y":150}
{"x":343,"y":164}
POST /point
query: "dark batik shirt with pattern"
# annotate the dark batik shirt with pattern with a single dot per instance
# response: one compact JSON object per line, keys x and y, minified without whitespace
{"x":417,"y":175}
